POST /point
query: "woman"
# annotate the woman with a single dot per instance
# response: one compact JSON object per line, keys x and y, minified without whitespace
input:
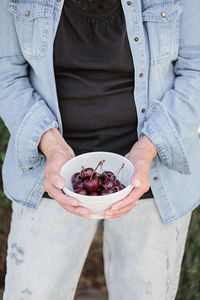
{"x":79,"y":76}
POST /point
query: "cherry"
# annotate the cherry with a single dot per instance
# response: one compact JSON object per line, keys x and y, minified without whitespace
{"x":122,"y":186}
{"x":87,"y":173}
{"x":100,"y":181}
{"x":108,"y":184}
{"x":91,"y":185}
{"x":107,"y":191}
{"x":91,"y":182}
{"x":94,"y":194}
{"x":95,"y":175}
{"x":78,"y":184}
{"x":76,"y":177}
{"x":108,"y":175}
{"x":116,"y":188}
{"x":117,"y":182}
{"x":81,"y":191}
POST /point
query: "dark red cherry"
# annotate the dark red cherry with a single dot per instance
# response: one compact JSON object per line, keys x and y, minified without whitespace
{"x":94,"y":194}
{"x":109,"y":184}
{"x":78,"y":184}
{"x":108,"y":175}
{"x":91,"y":185}
{"x":122,"y":186}
{"x":117,"y":182}
{"x":87,"y":173}
{"x":100,"y":182}
{"x":95,"y":175}
{"x":76,"y":177}
{"x":107,"y":191}
{"x":100,"y":176}
{"x":116,"y":188}
{"x":81,"y":191}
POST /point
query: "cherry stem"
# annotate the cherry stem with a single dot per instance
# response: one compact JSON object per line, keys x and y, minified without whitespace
{"x":99,"y":164}
{"x":82,"y":167}
{"x":103,"y":161}
{"x":118,"y":171}
{"x":122,"y":174}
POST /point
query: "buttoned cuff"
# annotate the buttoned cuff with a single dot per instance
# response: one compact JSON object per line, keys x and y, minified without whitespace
{"x":163,"y":134}
{"x":38,"y":120}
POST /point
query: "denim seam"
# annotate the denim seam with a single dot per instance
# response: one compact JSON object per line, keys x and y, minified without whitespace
{"x":37,"y":157}
{"x":173,"y":129}
{"x":108,"y":281}
{"x":19,"y":132}
{"x":158,"y":105}
{"x":73,"y":289}
{"x":166,"y":207}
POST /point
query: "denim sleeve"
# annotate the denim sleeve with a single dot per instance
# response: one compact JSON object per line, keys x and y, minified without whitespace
{"x":24,"y":112}
{"x":179,"y":110}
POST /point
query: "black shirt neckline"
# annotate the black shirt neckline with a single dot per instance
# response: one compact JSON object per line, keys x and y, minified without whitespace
{"x":93,"y":12}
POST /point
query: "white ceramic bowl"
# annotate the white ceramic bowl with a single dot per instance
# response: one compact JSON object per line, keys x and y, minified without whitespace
{"x":113,"y":161}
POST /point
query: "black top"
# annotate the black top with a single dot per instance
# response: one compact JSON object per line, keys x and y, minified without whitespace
{"x":94,"y":77}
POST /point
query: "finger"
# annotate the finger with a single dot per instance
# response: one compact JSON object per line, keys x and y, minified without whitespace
{"x":124,"y":202}
{"x":111,"y":214}
{"x":68,"y":203}
{"x":121,"y":211}
{"x":141,"y":175}
{"x":56,"y":180}
{"x":54,"y":164}
{"x":131,"y":198}
{"x":52,"y":171}
{"x":58,"y":195}
{"x":117,"y":214}
{"x":79,"y":211}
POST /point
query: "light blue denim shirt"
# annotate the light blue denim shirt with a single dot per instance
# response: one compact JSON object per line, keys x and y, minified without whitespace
{"x":164,"y":37}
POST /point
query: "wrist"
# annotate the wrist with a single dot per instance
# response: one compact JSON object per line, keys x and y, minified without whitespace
{"x":52,"y":141}
{"x":148,"y":145}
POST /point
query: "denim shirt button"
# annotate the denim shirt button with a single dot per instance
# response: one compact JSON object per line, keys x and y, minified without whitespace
{"x":136,"y":39}
{"x":129,"y":2}
{"x":143,"y":110}
{"x":163,"y":14}
{"x":155,"y":179}
{"x":141,"y":75}
{"x":30,"y":168}
{"x":27,"y":13}
{"x":153,"y":109}
{"x":58,"y":0}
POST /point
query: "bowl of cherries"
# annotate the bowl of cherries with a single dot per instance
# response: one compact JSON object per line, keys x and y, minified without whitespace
{"x":97,"y":180}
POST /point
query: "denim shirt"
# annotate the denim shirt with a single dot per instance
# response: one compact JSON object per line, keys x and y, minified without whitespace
{"x":164,"y":37}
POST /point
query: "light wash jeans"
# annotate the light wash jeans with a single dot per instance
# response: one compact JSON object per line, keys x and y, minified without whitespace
{"x":47,"y":248}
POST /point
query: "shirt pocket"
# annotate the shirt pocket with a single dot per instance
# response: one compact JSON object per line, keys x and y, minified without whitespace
{"x":32,"y":21}
{"x":162,"y":23}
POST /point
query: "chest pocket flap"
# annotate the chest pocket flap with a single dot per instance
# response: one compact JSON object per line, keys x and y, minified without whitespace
{"x":29,"y":10}
{"x":32,"y":20}
{"x":164,"y":12}
{"x":161,"y":22}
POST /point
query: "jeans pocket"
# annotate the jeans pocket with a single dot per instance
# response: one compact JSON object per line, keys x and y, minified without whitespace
{"x":162,"y":25}
{"x":32,"y":21}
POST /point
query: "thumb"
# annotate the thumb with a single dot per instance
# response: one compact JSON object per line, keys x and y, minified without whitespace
{"x":137,"y":180}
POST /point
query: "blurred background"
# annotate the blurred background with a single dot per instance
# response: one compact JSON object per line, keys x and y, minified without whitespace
{"x":92,"y":284}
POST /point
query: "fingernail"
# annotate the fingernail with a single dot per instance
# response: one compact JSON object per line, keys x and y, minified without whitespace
{"x":136,"y":182}
{"x":59,"y":185}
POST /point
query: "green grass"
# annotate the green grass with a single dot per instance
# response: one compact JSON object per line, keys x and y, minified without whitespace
{"x":92,"y":274}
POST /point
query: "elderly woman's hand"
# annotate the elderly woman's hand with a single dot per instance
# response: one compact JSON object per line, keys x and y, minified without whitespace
{"x":58,"y":152}
{"x":141,"y":155}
